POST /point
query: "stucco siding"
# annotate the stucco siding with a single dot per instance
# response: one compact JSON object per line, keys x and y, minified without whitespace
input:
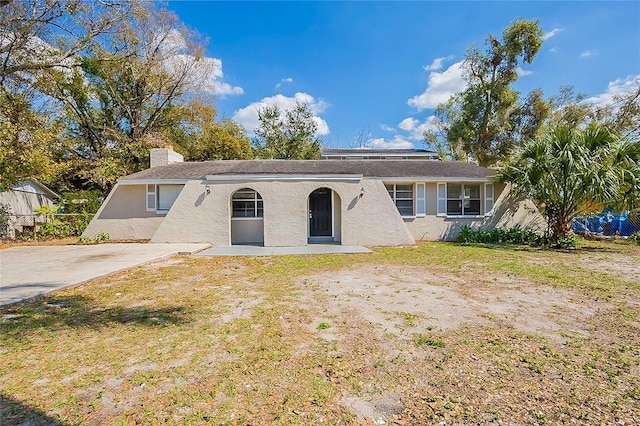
{"x":508,"y":212}
{"x":123,"y":215}
{"x":373,"y":219}
{"x":368,"y":220}
{"x":126,"y":202}
{"x":363,"y":214}
{"x":197,"y":216}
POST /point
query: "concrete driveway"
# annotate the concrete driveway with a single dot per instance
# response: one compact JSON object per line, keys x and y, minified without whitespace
{"x":29,"y":271}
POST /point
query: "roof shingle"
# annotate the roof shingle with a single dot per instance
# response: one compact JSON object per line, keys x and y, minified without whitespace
{"x":367,"y":168}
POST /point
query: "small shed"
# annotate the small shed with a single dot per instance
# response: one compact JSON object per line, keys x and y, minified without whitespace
{"x":22,"y":200}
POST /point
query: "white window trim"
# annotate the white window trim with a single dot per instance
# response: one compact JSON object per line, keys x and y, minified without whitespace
{"x":421,"y":201}
{"x":442,"y":193}
{"x":489,"y":202}
{"x":152,"y":194}
{"x":462,"y":197}
{"x":394,"y":198}
{"x":442,"y":198}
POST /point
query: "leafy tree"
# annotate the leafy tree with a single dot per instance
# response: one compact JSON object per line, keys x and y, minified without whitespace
{"x":623,"y":113}
{"x":292,"y":136}
{"x":27,"y":137}
{"x":37,"y":36}
{"x":487,"y":120}
{"x":129,"y":92}
{"x":567,"y":171}
{"x":45,"y":34}
{"x":201,"y":137}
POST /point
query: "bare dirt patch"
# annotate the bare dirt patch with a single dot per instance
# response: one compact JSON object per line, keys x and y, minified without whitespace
{"x":403,"y":300}
{"x":422,"y":334}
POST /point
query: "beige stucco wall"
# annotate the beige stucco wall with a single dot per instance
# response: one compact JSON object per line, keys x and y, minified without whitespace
{"x":507,"y":213}
{"x":124,"y":215}
{"x":370,"y":220}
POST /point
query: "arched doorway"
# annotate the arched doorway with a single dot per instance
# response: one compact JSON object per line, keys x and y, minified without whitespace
{"x":324,"y":216}
{"x":247,"y":217}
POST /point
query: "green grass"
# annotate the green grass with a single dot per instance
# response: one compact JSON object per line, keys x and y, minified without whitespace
{"x":231,"y":341}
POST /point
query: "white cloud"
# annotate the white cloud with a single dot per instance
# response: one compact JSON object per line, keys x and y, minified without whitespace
{"x":553,"y":50}
{"x":620,"y":86}
{"x":551,"y":33}
{"x":588,"y":53}
{"x":205,"y":73}
{"x":408,"y":124}
{"x":437,"y":63}
{"x":387,"y":128}
{"x":416,"y":129}
{"x":522,"y":72}
{"x":398,"y":142}
{"x":284,"y":80}
{"x":248,"y":116}
{"x":440,"y":87}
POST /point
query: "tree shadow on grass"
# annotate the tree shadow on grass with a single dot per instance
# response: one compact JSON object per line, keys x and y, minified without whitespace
{"x":14,"y":412}
{"x":56,"y":312}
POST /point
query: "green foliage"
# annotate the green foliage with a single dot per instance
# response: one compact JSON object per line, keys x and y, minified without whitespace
{"x":63,"y":226}
{"x":422,"y":340}
{"x":5,"y":220}
{"x":31,"y":125}
{"x":635,"y":238}
{"x":568,"y":172}
{"x":488,"y":119}
{"x":99,"y":238}
{"x":291,"y":136}
{"x":497,"y":235}
{"x":85,"y":201}
{"x":201,"y":137}
{"x":27,"y":135}
{"x":568,"y":241}
{"x":324,"y":326}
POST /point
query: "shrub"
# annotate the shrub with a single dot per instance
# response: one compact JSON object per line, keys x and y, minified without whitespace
{"x":5,"y":220}
{"x":86,"y":201}
{"x":62,"y":226}
{"x":100,"y":237}
{"x":498,"y":235}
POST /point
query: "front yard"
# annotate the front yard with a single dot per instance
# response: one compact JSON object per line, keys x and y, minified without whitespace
{"x":415,"y":335}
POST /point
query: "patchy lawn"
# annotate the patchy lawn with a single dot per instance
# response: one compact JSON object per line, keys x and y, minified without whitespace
{"x":418,"y":335}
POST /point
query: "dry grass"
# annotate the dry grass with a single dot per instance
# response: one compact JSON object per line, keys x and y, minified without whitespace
{"x":278,"y":340}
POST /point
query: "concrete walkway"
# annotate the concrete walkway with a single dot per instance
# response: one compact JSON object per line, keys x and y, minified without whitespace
{"x":29,"y":271}
{"x":270,"y":251}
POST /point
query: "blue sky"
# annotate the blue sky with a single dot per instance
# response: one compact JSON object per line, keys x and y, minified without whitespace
{"x":373,"y":71}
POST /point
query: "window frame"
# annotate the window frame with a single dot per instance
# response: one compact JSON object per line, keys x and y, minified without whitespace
{"x":394,"y":197}
{"x":489,"y":200}
{"x":421,"y":199}
{"x":258,"y":204}
{"x":485,"y":203}
{"x":153,"y":197}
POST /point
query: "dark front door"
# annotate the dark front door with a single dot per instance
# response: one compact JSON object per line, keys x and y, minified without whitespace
{"x":320,"y":213}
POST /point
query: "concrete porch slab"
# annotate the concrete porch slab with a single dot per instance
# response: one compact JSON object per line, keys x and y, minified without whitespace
{"x":278,"y":251}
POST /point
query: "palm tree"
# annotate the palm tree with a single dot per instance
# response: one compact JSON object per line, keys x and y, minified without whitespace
{"x":569,"y":171}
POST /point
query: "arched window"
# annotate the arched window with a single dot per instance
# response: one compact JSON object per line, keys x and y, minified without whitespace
{"x":246,"y":203}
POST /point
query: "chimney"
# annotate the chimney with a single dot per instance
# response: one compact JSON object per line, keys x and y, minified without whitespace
{"x":164,"y":156}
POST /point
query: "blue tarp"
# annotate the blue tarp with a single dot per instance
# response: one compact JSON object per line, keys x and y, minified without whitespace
{"x":608,"y":223}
